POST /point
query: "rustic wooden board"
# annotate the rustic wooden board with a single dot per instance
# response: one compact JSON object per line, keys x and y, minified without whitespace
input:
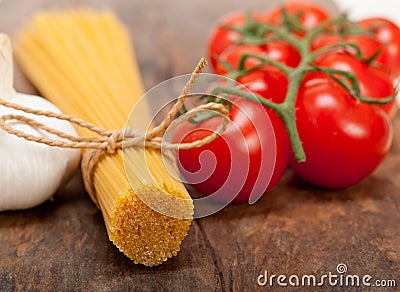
{"x":295,"y":229}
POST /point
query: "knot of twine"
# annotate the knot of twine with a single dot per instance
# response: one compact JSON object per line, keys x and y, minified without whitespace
{"x":110,"y":141}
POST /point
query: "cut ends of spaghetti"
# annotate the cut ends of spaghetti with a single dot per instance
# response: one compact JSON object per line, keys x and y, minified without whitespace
{"x":143,"y":234}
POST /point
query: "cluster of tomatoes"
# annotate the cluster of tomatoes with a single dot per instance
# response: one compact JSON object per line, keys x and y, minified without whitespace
{"x":326,"y":86}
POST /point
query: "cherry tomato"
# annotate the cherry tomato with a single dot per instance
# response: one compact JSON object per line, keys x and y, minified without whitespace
{"x":344,"y":140}
{"x":275,"y":50}
{"x":368,"y":45}
{"x":268,"y":82}
{"x":282,"y":52}
{"x":222,"y":36}
{"x":247,"y":160}
{"x":232,"y":55}
{"x":374,"y":82}
{"x":307,"y":15}
{"x":389,"y":35}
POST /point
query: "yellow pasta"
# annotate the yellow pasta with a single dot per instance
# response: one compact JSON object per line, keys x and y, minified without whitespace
{"x":82,"y":61}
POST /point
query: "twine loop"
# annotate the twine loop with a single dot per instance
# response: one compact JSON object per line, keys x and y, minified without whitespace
{"x":110,"y":142}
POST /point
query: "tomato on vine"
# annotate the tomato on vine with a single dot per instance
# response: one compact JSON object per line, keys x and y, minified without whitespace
{"x":277,"y":50}
{"x":268,"y":82}
{"x":326,"y":85}
{"x":246,"y":161}
{"x":299,"y":17}
{"x":224,"y":34}
{"x":230,"y":58}
{"x":368,"y":46}
{"x":344,"y":139}
{"x":389,"y":35}
{"x":373,"y":82}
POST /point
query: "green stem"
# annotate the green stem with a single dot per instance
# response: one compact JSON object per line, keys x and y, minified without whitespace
{"x":237,"y":74}
{"x":288,"y":114}
{"x":247,"y":95}
{"x":380,"y":101}
{"x":354,"y":90}
{"x":286,"y":110}
{"x":320,"y":28}
{"x":266,"y":61}
{"x":292,"y":23}
{"x":328,"y":49}
{"x":283,"y":35}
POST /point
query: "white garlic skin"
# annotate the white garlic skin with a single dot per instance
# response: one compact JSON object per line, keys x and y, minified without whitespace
{"x":31,"y":173}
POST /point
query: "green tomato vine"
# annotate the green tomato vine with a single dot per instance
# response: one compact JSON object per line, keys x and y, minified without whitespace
{"x":254,"y":33}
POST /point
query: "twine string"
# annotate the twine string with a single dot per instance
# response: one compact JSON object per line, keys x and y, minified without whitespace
{"x":109,"y":142}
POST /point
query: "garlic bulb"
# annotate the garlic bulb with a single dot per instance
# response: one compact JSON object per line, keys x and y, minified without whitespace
{"x":30,"y":172}
{"x":6,"y":68}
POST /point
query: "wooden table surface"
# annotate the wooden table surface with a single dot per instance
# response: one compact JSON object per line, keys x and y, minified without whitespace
{"x":295,"y":229}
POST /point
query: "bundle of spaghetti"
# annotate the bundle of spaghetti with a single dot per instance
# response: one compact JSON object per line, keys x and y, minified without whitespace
{"x":82,"y":61}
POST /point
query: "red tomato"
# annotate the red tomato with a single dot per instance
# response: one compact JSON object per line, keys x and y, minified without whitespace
{"x":268,"y":82}
{"x":282,"y":52}
{"x":344,"y":140}
{"x":275,"y":50}
{"x":232,"y":56}
{"x":309,"y":15}
{"x":246,"y":161}
{"x":272,"y":84}
{"x":222,"y":37}
{"x":368,"y":45}
{"x":389,"y":35}
{"x":374,"y":82}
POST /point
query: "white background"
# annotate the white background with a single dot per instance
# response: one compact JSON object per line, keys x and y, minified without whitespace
{"x":358,"y":9}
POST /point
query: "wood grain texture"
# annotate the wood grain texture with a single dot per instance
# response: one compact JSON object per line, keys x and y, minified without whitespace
{"x":296,"y":229}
